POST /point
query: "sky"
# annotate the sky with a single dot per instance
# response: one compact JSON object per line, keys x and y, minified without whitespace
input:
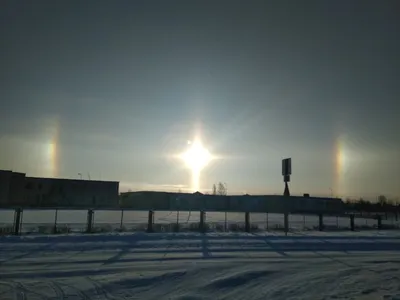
{"x":112,"y":90}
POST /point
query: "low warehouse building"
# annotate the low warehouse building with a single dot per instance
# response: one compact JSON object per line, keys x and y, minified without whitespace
{"x":18,"y":190}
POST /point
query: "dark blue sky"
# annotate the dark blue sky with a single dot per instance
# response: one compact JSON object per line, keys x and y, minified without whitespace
{"x":114,"y":87}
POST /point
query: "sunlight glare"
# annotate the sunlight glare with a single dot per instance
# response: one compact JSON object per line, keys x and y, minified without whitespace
{"x":196,"y":158}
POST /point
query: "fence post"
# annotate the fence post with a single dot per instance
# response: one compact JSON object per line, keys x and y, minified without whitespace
{"x":352,"y":227}
{"x":122,"y":220}
{"x":247,"y":221}
{"x":17,"y":221}
{"x":89,"y":225}
{"x":321,"y":222}
{"x":226,"y":222}
{"x":55,"y":222}
{"x":286,"y":222}
{"x":177,"y":221}
{"x":150,"y":221}
{"x":379,"y":222}
{"x":202,"y":221}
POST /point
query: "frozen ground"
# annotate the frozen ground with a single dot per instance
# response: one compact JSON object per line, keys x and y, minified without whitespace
{"x":308,"y":265}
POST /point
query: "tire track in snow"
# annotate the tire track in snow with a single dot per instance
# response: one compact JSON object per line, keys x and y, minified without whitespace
{"x":7,"y":285}
{"x":58,"y":290}
{"x":22,"y":290}
{"x":32,"y":251}
{"x":100,"y":290}
{"x":168,"y":246}
{"x":79,"y":292}
{"x":68,"y":257}
{"x":244,"y":251}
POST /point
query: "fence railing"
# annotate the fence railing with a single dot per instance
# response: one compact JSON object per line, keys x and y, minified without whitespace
{"x":174,"y":221}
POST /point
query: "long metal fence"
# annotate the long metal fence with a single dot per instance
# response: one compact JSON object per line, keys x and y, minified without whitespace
{"x":67,"y":221}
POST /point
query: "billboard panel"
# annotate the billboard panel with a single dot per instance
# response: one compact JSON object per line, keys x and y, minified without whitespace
{"x":286,"y":167}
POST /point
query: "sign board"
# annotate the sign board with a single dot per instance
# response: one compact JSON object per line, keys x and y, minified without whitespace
{"x":287,"y":167}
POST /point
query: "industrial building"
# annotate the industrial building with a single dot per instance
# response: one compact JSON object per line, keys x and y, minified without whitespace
{"x":233,"y":203}
{"x":18,"y":190}
{"x":11,"y":188}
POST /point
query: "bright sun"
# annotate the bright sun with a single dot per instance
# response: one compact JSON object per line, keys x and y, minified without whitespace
{"x":196,"y":158}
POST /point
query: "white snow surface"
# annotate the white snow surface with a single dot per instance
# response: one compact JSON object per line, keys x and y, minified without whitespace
{"x":270,"y":265}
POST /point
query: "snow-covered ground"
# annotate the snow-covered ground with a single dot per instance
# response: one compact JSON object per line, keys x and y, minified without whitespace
{"x":305,"y":265}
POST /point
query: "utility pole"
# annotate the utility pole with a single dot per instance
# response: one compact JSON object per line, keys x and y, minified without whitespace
{"x":286,"y":172}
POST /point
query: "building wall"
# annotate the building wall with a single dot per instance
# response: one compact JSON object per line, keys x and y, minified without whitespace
{"x":11,"y":188}
{"x":145,"y":200}
{"x":5,"y":179}
{"x":17,"y":189}
{"x":243,"y":203}
{"x":51,"y":192}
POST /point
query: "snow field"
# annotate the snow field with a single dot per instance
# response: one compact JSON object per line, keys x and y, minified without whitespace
{"x":269,"y":265}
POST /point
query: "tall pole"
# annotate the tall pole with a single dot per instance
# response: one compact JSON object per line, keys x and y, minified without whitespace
{"x":286,"y":172}
{"x":286,"y":192}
